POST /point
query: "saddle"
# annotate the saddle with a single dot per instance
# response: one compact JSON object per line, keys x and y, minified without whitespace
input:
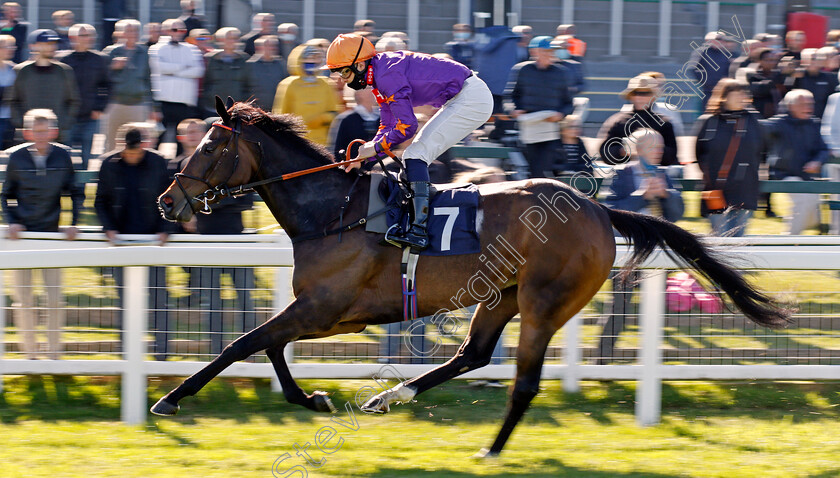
{"x":453,"y":214}
{"x":452,"y":225}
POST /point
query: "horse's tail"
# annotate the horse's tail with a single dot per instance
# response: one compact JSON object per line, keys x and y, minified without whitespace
{"x":648,"y":232}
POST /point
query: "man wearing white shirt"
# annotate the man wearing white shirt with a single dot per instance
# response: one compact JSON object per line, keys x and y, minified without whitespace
{"x":176,"y":68}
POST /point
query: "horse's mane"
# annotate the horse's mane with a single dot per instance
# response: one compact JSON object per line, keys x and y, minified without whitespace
{"x":285,"y":128}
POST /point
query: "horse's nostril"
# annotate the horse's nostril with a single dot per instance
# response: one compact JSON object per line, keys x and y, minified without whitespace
{"x":167,"y":201}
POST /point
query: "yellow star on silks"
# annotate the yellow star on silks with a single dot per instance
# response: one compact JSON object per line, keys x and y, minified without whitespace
{"x":381,"y":127}
{"x":401,"y":127}
{"x":385,"y":144}
{"x":389,"y":99}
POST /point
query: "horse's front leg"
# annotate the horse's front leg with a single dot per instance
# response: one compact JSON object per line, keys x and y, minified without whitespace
{"x":298,"y":319}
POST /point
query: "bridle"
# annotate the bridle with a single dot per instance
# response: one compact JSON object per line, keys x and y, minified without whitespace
{"x":222,"y":190}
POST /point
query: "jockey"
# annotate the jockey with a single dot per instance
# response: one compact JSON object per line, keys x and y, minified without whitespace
{"x":400,"y":81}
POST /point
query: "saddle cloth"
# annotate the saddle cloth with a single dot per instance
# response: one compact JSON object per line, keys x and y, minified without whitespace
{"x":453,"y":210}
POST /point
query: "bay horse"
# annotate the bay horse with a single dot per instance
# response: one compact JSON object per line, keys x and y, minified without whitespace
{"x":545,"y":275}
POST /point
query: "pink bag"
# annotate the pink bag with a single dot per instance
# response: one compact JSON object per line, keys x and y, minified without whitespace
{"x":685,"y":293}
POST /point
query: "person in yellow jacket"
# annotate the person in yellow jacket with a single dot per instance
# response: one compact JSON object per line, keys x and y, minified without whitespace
{"x":308,"y":94}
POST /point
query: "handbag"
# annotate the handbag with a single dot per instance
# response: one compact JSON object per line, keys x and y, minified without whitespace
{"x":714,"y":198}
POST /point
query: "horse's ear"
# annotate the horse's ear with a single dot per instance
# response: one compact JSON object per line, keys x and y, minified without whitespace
{"x":222,"y":111}
{"x":229,"y":102}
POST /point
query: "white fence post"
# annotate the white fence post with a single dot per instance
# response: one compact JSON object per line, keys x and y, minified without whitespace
{"x":134,"y":341}
{"x":571,"y":354}
{"x":649,"y":388}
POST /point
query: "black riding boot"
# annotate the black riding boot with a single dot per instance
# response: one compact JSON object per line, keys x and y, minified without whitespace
{"x":416,"y":237}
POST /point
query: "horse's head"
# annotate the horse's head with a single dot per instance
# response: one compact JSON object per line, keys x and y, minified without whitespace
{"x":223,"y":160}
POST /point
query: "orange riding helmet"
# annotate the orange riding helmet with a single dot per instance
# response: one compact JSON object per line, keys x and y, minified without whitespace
{"x":347,"y":50}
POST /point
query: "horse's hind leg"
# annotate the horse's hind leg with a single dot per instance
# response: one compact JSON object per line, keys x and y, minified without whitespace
{"x":476,"y":351}
{"x":543,"y":312}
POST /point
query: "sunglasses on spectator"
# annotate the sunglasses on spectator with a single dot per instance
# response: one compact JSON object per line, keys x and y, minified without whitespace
{"x":179,"y":29}
{"x":202,"y":38}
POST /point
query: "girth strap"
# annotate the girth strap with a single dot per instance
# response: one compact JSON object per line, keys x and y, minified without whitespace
{"x":408,"y":270}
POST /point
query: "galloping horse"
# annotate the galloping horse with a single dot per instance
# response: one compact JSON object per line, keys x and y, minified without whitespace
{"x":545,"y":274}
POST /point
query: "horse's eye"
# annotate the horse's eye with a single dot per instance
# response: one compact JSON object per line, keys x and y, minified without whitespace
{"x":209,"y":149}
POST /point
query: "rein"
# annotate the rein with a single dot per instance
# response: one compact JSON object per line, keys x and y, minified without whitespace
{"x":223,"y":190}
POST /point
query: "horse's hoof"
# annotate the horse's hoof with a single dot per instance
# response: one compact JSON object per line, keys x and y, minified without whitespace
{"x":376,"y":405}
{"x":484,"y":454}
{"x":164,"y":408}
{"x":322,"y":402}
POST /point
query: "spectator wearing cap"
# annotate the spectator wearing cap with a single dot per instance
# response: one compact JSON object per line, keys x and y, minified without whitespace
{"x":811,"y":77}
{"x":711,"y":61}
{"x":188,"y":16}
{"x":641,"y":94}
{"x":10,"y":25}
{"x":130,"y":180}
{"x":44,"y":83}
{"x":667,"y":110}
{"x":462,"y":47}
{"x":266,"y":70}
{"x":287,"y":33}
{"x":7,"y":79}
{"x":227,"y":71}
{"x":539,"y":90}
{"x":797,"y":153}
{"x":202,"y":39}
{"x":308,"y":94}
{"x":262,"y":24}
{"x":38,"y":174}
{"x":90,"y":68}
{"x":131,"y":84}
{"x":176,"y":68}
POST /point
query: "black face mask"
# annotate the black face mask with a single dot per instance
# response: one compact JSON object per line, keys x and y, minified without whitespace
{"x":358,"y":82}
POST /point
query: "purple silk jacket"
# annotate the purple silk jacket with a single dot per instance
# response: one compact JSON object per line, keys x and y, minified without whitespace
{"x":406,"y":79}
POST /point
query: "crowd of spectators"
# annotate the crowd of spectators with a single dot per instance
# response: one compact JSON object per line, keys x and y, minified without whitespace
{"x":768,"y":110}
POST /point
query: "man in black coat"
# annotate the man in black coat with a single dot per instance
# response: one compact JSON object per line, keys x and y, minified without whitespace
{"x":38,"y":174}
{"x":90,"y":68}
{"x":130,"y":181}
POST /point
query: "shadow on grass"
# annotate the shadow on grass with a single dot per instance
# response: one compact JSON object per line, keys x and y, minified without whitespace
{"x":548,"y":467}
{"x":79,"y":399}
